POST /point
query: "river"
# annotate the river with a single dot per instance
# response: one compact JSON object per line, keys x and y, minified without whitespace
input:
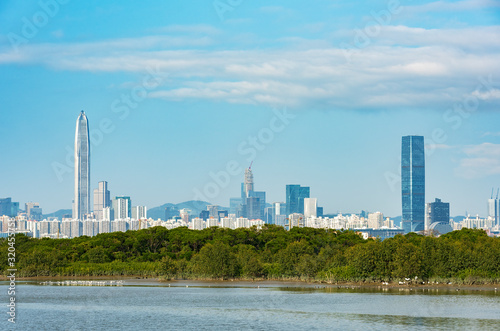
{"x":149,"y":305}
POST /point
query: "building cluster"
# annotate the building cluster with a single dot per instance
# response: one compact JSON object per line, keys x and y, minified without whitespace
{"x":249,"y":209}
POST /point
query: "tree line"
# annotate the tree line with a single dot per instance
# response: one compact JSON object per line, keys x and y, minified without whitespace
{"x":466,"y":256}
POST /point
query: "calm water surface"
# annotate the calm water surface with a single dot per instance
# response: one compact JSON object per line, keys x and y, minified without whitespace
{"x":209,"y":306}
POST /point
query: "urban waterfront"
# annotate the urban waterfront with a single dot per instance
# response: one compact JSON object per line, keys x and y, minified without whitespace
{"x":147,"y":305}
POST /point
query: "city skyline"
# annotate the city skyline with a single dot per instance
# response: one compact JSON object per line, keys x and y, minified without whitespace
{"x":318,"y":94}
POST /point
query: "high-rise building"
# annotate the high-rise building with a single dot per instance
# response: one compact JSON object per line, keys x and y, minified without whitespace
{"x":28,"y":206}
{"x":494,"y":209}
{"x":310,"y":207}
{"x":253,"y":210}
{"x":375,"y":220}
{"x":81,"y":203}
{"x":413,"y":183}
{"x":8,"y":207}
{"x":129,"y":206}
{"x":295,"y":195}
{"x":261,"y":195}
{"x":185,"y":215}
{"x":139,"y":212}
{"x":213,"y":211}
{"x":437,"y":217}
{"x":248,"y":183}
{"x":438,"y":211}
{"x":102,"y":199}
{"x":204,"y":215}
{"x":236,"y":206}
{"x":121,"y":207}
{"x":36,"y":213}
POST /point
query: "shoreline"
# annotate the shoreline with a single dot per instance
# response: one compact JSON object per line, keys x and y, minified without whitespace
{"x":155,"y":281}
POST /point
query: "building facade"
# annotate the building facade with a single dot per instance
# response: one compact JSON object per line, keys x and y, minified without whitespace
{"x":102,"y":199}
{"x":295,"y":195}
{"x":81,"y":202}
{"x":413,"y":183}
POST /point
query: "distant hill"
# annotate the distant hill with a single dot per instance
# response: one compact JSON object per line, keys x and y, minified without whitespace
{"x":59,"y":214}
{"x":194,"y":205}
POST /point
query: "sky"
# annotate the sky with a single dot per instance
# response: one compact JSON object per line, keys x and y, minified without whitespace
{"x":182,"y":96}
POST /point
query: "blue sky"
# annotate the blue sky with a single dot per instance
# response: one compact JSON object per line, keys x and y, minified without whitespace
{"x":175,"y":91}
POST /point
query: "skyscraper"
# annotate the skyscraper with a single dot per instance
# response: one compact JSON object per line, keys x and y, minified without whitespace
{"x":81,"y":204}
{"x":248,"y":184}
{"x":295,"y":195}
{"x":8,"y":207}
{"x":121,"y":206}
{"x":413,"y":183}
{"x":128,"y":213}
{"x":102,"y":199}
{"x":310,"y":207}
{"x":494,"y":208}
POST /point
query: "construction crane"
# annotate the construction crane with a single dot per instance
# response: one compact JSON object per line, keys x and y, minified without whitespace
{"x":250,"y":167}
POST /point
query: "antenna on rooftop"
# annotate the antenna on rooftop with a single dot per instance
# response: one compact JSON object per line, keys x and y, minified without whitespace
{"x":492,"y":192}
{"x":497,"y":192}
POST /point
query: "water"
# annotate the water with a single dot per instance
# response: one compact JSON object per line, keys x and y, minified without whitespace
{"x":209,"y":306}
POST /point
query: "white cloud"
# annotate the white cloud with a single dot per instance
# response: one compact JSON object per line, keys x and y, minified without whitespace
{"x":493,"y":94}
{"x":428,"y":70}
{"x":481,"y":161}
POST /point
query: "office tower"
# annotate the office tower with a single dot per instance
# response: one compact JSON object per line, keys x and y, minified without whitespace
{"x":310,"y":207}
{"x":8,"y":207}
{"x":139,"y":212}
{"x":437,"y":217}
{"x":36,"y":213}
{"x":121,"y":207}
{"x":413,"y":183}
{"x":252,"y":208}
{"x":222,"y":214}
{"x":270,"y":215}
{"x":295,"y":195}
{"x":494,"y":209}
{"x":204,"y":215}
{"x":129,"y":206}
{"x":280,"y":208}
{"x":262,"y":201}
{"x":213,"y":211}
{"x":248,"y":183}
{"x":102,"y":199}
{"x":236,"y":206}
{"x":27,"y":208}
{"x":319,"y":212}
{"x":438,"y":211}
{"x":81,"y":203}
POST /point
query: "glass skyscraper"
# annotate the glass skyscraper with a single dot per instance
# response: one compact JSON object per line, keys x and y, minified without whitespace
{"x":413,"y":183}
{"x":295,"y":195}
{"x":81,"y":204}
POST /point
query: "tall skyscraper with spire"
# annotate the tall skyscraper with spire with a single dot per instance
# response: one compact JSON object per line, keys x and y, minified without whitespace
{"x":413,"y":183}
{"x":248,"y":183}
{"x":81,"y":203}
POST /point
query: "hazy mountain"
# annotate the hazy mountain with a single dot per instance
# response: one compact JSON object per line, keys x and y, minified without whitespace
{"x":195,"y":206}
{"x":59,"y":214}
